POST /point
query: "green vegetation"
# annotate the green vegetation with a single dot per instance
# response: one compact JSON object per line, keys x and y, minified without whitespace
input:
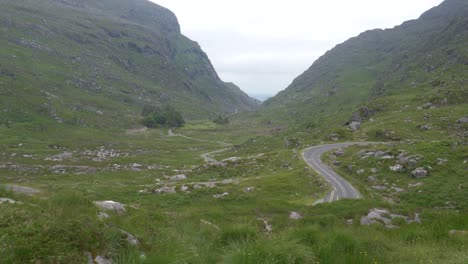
{"x":95,"y":63}
{"x":165,"y":116}
{"x":69,"y":137}
{"x":221,"y":120}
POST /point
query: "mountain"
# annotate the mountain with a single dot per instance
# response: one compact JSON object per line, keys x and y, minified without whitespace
{"x":97,"y":63}
{"x":421,"y":62}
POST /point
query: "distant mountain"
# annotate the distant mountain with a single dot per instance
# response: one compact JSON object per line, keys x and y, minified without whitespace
{"x":97,"y":63}
{"x":419,"y":62}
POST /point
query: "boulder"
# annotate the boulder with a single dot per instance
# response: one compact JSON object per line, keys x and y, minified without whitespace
{"x":111,"y":206}
{"x":179,"y":177}
{"x":295,"y":216}
{"x":361,"y":171}
{"x":354,"y":126}
{"x":463,"y":120}
{"x":419,"y":173}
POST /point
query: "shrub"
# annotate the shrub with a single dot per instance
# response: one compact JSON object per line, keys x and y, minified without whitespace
{"x":167,"y":116}
{"x":222,"y":120}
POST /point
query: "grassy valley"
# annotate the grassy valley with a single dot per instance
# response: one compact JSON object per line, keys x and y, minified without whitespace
{"x":82,"y":181}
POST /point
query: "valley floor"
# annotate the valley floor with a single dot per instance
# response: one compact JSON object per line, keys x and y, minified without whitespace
{"x":238,"y":193}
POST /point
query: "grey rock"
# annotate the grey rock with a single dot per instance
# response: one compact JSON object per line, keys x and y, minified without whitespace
{"x":339,"y":152}
{"x":463,"y":120}
{"x":295,"y":216}
{"x":374,"y":170}
{"x":217,"y":196}
{"x":7,"y":200}
{"x":419,"y":173}
{"x":425,"y":127}
{"x":379,"y":187}
{"x":354,"y":126}
{"x":426,"y":105}
{"x":458,"y":232}
{"x":131,"y":239}
{"x":111,"y":206}
{"x":179,"y":177}
{"x":396,"y":168}
{"x":361,"y":171}
{"x":412,"y":185}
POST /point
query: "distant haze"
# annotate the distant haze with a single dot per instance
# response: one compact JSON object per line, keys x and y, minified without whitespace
{"x":263,"y":45}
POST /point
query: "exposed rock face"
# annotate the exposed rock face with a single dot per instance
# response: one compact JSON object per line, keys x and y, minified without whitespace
{"x":111,"y":206}
{"x":419,"y":173}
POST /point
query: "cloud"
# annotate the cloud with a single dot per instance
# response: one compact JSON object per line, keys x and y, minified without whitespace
{"x":263,"y":45}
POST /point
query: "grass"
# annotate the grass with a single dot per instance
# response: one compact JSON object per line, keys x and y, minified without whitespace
{"x":62,"y":222}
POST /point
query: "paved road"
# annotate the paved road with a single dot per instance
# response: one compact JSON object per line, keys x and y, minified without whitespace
{"x":342,"y":189}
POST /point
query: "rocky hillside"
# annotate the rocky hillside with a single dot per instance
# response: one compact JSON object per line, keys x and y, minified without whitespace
{"x":96,"y":63}
{"x":422,"y":62}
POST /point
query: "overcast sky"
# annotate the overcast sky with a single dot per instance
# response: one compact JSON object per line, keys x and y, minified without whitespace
{"x":262,"y":45}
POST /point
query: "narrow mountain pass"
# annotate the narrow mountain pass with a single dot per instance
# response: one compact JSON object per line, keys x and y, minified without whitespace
{"x":342,"y":189}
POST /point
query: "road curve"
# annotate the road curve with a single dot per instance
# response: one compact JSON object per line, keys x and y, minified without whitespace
{"x":342,"y":189}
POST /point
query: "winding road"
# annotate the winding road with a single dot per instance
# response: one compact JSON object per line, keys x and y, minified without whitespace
{"x":342,"y":189}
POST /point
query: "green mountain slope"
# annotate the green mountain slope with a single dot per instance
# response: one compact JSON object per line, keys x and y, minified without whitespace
{"x":386,"y":71}
{"x":96,"y":63}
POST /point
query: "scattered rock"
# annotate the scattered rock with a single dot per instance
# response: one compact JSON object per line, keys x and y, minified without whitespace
{"x":184,"y":188}
{"x":349,"y":221}
{"x":354,"y":126}
{"x":217,"y":196}
{"x":396,"y":168}
{"x":295,"y":216}
{"x":419,"y":173}
{"x":374,"y":170}
{"x":179,"y":177}
{"x":111,"y":206}
{"x":165,"y":190}
{"x":361,"y":171}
